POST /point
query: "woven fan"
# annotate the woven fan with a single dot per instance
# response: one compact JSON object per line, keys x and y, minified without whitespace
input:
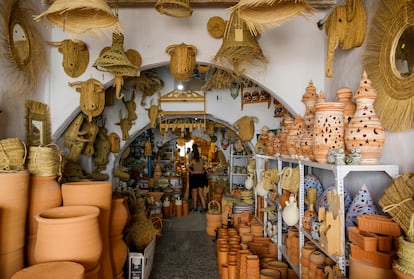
{"x":79,"y":16}
{"x":262,"y":14}
{"x":240,"y":48}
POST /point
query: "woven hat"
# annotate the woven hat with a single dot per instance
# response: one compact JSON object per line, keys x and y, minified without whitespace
{"x":174,"y":8}
{"x":79,"y":16}
{"x":216,"y":26}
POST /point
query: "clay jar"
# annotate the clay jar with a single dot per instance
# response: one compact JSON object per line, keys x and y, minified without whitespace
{"x":14,"y":195}
{"x":96,"y":193}
{"x":44,"y":193}
{"x":328,"y":129}
{"x":69,"y":233}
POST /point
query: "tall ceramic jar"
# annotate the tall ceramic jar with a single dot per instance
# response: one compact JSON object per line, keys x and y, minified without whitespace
{"x":69,"y":233}
{"x":309,"y":99}
{"x":44,"y":193}
{"x":344,"y":95}
{"x":287,"y":123}
{"x":328,"y":129}
{"x":96,"y":193}
{"x":365,"y":130}
{"x":14,"y":196}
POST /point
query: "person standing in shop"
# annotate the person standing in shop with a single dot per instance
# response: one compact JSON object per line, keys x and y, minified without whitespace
{"x":198,"y":179}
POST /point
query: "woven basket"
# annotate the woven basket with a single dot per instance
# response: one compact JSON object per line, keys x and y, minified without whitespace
{"x":174,"y":8}
{"x":45,"y":160}
{"x":13,"y":154}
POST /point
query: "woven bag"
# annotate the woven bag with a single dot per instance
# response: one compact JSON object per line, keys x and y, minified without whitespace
{"x":45,"y":160}
{"x":12,"y":154}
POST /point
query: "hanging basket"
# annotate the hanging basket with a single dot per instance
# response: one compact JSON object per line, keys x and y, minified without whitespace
{"x":12,"y":154}
{"x":174,"y":8}
{"x":45,"y":160}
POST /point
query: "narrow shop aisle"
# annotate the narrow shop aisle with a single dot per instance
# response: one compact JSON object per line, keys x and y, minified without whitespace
{"x":185,"y":251}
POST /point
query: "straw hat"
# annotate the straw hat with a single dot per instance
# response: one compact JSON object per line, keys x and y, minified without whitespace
{"x":79,"y":16}
{"x":216,"y":26}
{"x":174,"y":8}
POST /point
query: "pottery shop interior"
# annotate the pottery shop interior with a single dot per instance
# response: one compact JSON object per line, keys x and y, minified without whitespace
{"x":216,"y":139}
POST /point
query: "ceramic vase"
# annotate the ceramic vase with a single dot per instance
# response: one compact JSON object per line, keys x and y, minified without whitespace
{"x":309,"y":216}
{"x":365,"y":131}
{"x":293,"y":135}
{"x":119,"y":254}
{"x":287,"y":123}
{"x":44,"y":193}
{"x":96,"y":193}
{"x":328,"y":129}
{"x":14,"y":199}
{"x":309,"y":99}
{"x":344,"y":95}
{"x":69,"y":233}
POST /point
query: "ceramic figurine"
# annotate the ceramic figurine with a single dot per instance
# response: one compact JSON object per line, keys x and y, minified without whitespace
{"x":290,"y":213}
{"x":339,"y":157}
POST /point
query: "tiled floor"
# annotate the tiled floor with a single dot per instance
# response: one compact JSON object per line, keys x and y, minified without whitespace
{"x":185,"y":251}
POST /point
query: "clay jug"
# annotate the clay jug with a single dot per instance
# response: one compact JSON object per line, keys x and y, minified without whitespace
{"x":44,"y":193}
{"x":290,"y":213}
{"x":328,"y":129}
{"x":69,"y":233}
{"x":96,"y":193}
{"x":365,"y":130}
{"x":14,"y":197}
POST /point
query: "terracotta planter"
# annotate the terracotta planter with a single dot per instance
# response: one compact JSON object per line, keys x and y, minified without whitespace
{"x":269,"y":273}
{"x":119,"y":216}
{"x":44,"y":193}
{"x":119,"y":254}
{"x":328,"y":129}
{"x":360,"y":269}
{"x":96,"y":193}
{"x":69,"y":233}
{"x":52,"y":270}
{"x":14,"y":197}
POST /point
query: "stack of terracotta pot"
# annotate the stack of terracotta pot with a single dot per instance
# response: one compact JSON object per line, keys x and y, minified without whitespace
{"x":292,"y":245}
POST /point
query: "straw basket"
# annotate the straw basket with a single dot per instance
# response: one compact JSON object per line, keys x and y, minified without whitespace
{"x":174,"y":8}
{"x":213,"y":216}
{"x":45,"y":160}
{"x":12,"y":154}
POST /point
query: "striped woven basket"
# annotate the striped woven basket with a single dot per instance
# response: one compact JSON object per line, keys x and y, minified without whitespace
{"x":45,"y":160}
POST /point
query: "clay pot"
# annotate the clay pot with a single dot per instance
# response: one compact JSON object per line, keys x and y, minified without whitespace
{"x":119,"y":254}
{"x":52,"y":270}
{"x":186,"y":208}
{"x":14,"y":197}
{"x":344,"y":95}
{"x":232,"y":267}
{"x":282,"y":267}
{"x":328,"y":129}
{"x":96,"y":193}
{"x":119,"y":216}
{"x":269,"y":273}
{"x":69,"y":233}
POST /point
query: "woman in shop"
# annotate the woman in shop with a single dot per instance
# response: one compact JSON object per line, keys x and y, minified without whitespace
{"x":198,"y":179}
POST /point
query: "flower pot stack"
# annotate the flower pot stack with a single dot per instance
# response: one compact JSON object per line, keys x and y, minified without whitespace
{"x":372,"y":246}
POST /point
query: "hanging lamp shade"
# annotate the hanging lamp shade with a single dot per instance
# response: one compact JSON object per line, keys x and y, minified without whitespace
{"x":79,"y":16}
{"x":114,"y":60}
{"x":240,"y":49}
{"x":174,"y":8}
{"x":262,"y":14}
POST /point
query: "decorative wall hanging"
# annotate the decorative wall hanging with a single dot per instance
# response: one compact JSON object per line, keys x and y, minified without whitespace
{"x":75,"y":56}
{"x":253,"y":94}
{"x":245,"y":124}
{"x":395,"y":100}
{"x":148,"y":83}
{"x":235,"y":89}
{"x":23,"y":59}
{"x":240,"y":49}
{"x":92,"y":99}
{"x":182,"y":61}
{"x":262,"y":14}
{"x":222,"y":78}
{"x":75,"y":138}
{"x":81,"y":16}
{"x":91,"y":129}
{"x":216,"y":26}
{"x":116,"y":61}
{"x":102,"y":146}
{"x":345,"y":27}
{"x":131,"y":106}
{"x":174,"y":8}
{"x":125,"y":124}
{"x":37,"y":123}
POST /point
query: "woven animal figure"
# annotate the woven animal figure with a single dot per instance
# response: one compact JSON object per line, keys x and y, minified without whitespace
{"x":131,"y":106}
{"x":290,"y":179}
{"x":75,"y":56}
{"x":126,"y":125}
{"x":245,"y":124}
{"x":212,"y":152}
{"x":345,"y":27}
{"x":115,"y":141}
{"x":102,"y":147}
{"x":91,"y":129}
{"x":153,"y":112}
{"x":92,"y":99}
{"x":182,"y":61}
{"x":75,"y":138}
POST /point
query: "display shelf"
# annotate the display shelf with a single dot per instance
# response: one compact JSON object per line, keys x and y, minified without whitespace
{"x":340,"y":173}
{"x":237,"y":161}
{"x":283,"y":252}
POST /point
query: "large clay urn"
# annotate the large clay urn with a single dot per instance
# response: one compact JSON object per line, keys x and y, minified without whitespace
{"x":14,"y":196}
{"x":328,"y":129}
{"x":44,"y":193}
{"x":365,"y":131}
{"x":69,"y":233}
{"x":96,"y":193}
{"x":309,"y":99}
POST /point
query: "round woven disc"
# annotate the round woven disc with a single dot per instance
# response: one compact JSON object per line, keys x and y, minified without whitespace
{"x":216,"y":26}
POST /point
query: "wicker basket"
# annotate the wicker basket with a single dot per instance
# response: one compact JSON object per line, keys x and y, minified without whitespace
{"x":13,"y":154}
{"x":45,"y":160}
{"x":174,"y":8}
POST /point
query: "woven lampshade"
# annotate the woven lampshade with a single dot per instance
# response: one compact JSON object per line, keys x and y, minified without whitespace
{"x":174,"y":8}
{"x":240,"y":48}
{"x":115,"y":60}
{"x":79,"y":16}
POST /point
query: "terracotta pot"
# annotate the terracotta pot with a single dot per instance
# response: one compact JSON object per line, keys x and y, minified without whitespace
{"x":328,"y":129}
{"x":282,"y":267}
{"x":119,"y":254}
{"x":14,"y":197}
{"x":268,"y":273}
{"x":52,"y":270}
{"x":186,"y":208}
{"x":69,"y":233}
{"x":344,"y":95}
{"x":96,"y":193}
{"x":44,"y":193}
{"x":119,"y":216}
{"x":232,"y":267}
